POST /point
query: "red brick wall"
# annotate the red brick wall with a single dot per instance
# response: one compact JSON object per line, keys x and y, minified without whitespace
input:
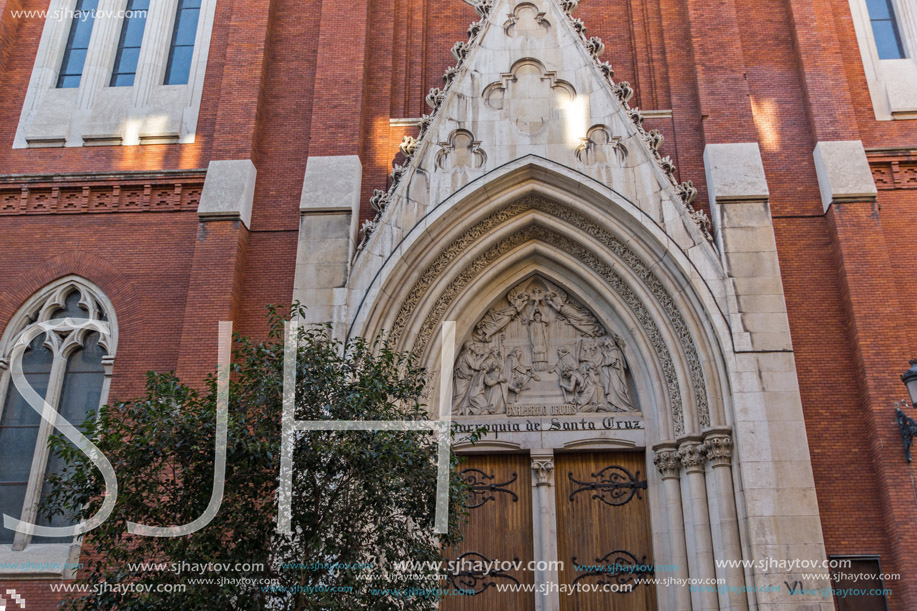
{"x":286,"y":80}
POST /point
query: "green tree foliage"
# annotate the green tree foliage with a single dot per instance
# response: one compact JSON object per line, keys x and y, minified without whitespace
{"x":358,"y":497}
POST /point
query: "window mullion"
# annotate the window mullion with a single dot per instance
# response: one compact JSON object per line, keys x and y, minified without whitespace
{"x":40,"y":456}
{"x":906,"y":15}
{"x":100,"y":56}
{"x":154,"y":52}
{"x":4,"y":383}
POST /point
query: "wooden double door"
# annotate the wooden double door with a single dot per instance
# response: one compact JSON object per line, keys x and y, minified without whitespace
{"x":603,"y":534}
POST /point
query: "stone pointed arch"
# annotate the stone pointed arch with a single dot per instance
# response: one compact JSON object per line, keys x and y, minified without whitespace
{"x":573,"y":189}
{"x":618,"y":242}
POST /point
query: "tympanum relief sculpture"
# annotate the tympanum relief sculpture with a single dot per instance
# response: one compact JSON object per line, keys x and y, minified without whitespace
{"x":540,"y":353}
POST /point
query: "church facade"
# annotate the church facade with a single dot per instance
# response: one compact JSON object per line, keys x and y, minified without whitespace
{"x":657,"y":248}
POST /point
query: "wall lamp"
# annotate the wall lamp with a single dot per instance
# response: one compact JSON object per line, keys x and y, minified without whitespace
{"x":908,"y":425}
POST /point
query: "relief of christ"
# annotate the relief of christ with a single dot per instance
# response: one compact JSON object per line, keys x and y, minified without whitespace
{"x":538,"y":336}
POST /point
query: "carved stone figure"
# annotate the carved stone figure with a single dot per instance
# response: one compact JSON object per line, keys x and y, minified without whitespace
{"x":591,"y":396}
{"x":575,"y":315}
{"x":520,"y":375}
{"x":612,"y":376}
{"x":538,"y":335}
{"x":570,"y":379}
{"x":469,"y":363}
{"x":538,"y":351}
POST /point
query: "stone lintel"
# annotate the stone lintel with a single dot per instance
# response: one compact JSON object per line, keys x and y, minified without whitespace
{"x":843,"y":173}
{"x":229,"y":190}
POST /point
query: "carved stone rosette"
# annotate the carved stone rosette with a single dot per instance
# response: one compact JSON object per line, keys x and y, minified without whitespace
{"x":693,"y":456}
{"x":668,"y":462}
{"x":718,"y":448}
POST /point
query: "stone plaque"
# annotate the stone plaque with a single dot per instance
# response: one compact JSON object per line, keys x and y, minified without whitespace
{"x":541,"y":353}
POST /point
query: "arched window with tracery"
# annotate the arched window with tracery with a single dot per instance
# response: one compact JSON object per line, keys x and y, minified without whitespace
{"x":69,"y":365}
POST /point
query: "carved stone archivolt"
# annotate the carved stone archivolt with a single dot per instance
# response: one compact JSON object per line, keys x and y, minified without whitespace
{"x":639,"y":310}
{"x":540,"y":353}
{"x":526,"y":21}
{"x":460,"y":152}
{"x":529,"y":95}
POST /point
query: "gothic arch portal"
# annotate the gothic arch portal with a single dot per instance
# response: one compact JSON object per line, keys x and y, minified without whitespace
{"x":533,"y":168}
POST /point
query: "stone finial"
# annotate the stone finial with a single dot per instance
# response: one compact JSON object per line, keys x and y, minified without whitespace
{"x":408,"y":146}
{"x":655,"y":139}
{"x":449,"y":75}
{"x":595,"y":46}
{"x":688,"y":192}
{"x":624,"y":91}
{"x":693,"y":456}
{"x":460,"y":50}
{"x":569,"y":5}
{"x":435,"y":98}
{"x":668,"y":462}
{"x":718,"y":448}
{"x":607,"y":70}
{"x":379,"y":200}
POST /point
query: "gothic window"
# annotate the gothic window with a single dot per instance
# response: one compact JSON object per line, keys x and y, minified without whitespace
{"x":887,"y":36}
{"x":68,"y":365}
{"x":128,"y":53}
{"x":183,"y":34}
{"x":71,"y":70}
{"x":885,"y":28}
{"x":117,"y":72}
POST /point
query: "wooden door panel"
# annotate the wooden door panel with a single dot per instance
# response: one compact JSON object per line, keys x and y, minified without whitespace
{"x":603,"y":521}
{"x":499,"y":528}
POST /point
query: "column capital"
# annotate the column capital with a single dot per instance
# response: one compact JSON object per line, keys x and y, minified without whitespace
{"x":693,"y":454}
{"x":718,"y":447}
{"x":667,"y":460}
{"x":543,"y":467}
{"x":843,"y":173}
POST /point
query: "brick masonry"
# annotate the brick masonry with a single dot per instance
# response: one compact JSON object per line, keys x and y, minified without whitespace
{"x":286,"y":80}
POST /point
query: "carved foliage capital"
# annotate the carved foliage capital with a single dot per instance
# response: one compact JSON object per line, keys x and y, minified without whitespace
{"x":693,"y":456}
{"x":718,"y":448}
{"x":668,"y":462}
{"x":543,"y":470}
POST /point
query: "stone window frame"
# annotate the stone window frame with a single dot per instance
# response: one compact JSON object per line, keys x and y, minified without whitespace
{"x":97,"y":114}
{"x":892,"y":82}
{"x":44,"y":303}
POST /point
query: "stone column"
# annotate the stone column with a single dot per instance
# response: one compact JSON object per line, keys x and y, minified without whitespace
{"x":693,"y":459}
{"x":668,"y":462}
{"x":544,"y":526}
{"x":718,"y":450}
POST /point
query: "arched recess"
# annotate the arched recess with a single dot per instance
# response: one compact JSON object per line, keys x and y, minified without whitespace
{"x":642,"y":268}
{"x":668,"y":284}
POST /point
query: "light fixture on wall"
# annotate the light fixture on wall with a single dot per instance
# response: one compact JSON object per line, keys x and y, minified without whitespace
{"x":908,"y":425}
